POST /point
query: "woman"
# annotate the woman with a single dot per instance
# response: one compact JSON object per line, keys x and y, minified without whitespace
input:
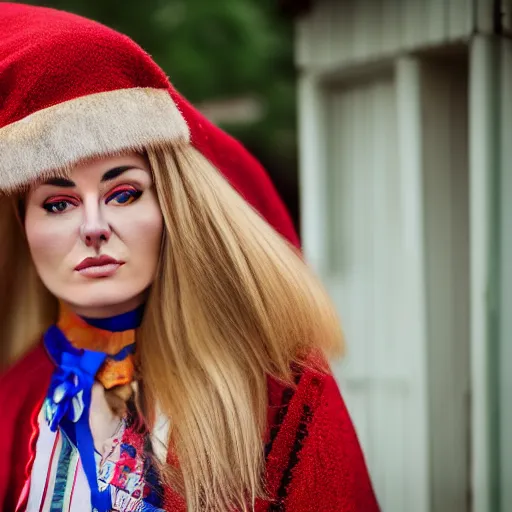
{"x":166,"y":346}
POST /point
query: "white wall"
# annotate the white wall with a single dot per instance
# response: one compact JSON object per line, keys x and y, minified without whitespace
{"x":365,"y":276}
{"x":446,"y":202}
{"x":340,"y":44}
{"x":362,"y":212}
{"x":338,"y":33}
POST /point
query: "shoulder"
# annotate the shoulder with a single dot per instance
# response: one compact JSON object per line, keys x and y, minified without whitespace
{"x":312,"y":392}
{"x":22,"y":391}
{"x":315,"y":460}
{"x":29,"y":376}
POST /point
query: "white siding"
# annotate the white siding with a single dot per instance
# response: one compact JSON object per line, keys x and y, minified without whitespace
{"x":483,"y":166}
{"x":366,"y":274}
{"x":446,"y":195}
{"x":341,"y":32}
{"x":506,"y":278}
{"x":386,"y":222}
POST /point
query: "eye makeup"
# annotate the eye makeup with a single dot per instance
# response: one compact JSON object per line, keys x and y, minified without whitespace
{"x":59,"y":204}
{"x":123,"y":195}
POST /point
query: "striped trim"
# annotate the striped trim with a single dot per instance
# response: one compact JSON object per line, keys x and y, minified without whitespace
{"x":286,"y":398}
{"x":106,"y":123}
{"x":34,"y":422}
{"x":72,"y":493}
{"x":285,"y":401}
{"x":63,"y":485}
{"x":61,"y":475}
{"x":50,"y":475}
{"x":300,"y":436}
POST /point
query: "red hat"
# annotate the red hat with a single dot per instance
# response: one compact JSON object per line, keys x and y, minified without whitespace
{"x":72,"y":89}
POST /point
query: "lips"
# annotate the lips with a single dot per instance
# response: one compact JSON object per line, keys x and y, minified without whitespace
{"x":100,"y":261}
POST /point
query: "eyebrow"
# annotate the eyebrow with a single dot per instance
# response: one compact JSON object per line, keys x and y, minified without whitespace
{"x":108,"y":176}
{"x":114,"y":173}
{"x":60,"y":182}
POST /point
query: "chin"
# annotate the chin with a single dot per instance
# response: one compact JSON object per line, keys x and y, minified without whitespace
{"x":107,"y":299}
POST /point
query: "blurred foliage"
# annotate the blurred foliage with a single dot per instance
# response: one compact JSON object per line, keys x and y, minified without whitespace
{"x":219,"y":49}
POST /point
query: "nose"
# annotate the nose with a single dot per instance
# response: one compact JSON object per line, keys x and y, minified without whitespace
{"x":95,"y":231}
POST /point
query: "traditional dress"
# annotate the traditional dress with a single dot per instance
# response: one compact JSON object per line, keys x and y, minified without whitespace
{"x":68,"y":469}
{"x":72,"y":89}
{"x":313,"y":459}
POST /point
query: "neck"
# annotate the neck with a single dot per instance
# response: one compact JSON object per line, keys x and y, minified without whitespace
{"x":107,"y":311}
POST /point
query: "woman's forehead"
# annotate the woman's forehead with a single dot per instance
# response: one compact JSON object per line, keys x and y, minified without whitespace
{"x":105,"y":163}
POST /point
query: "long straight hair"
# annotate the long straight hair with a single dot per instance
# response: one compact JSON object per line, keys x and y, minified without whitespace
{"x":232,"y":304}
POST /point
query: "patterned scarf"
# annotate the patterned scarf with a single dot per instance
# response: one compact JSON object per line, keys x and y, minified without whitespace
{"x":107,"y":336}
{"x":85,"y":351}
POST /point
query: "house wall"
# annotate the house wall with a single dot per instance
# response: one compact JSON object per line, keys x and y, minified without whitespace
{"x":367,"y":85}
{"x":340,"y":33}
{"x":445,"y":172}
{"x":505,"y":355}
{"x":366,"y":274}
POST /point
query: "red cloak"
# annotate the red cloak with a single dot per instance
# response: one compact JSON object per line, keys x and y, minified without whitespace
{"x":313,"y":459}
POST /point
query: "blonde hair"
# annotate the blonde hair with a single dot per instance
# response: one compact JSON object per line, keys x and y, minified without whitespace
{"x":233,"y":303}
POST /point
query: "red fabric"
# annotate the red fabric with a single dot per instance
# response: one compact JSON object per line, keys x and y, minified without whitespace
{"x":315,"y":463}
{"x":21,"y":396}
{"x":48,"y":57}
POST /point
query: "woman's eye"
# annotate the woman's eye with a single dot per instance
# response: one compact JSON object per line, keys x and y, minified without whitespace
{"x":58,"y":206}
{"x":124,"y":196}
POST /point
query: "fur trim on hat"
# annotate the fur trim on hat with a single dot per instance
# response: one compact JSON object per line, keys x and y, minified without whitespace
{"x":111,"y":122}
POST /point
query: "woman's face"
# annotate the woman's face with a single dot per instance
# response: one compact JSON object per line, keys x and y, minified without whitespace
{"x":95,"y":237}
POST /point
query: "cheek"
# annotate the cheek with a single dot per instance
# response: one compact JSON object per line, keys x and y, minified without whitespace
{"x":47,"y":239}
{"x":142,"y":233}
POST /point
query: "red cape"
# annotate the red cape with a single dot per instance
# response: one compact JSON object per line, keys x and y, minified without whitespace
{"x":314,"y":462}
